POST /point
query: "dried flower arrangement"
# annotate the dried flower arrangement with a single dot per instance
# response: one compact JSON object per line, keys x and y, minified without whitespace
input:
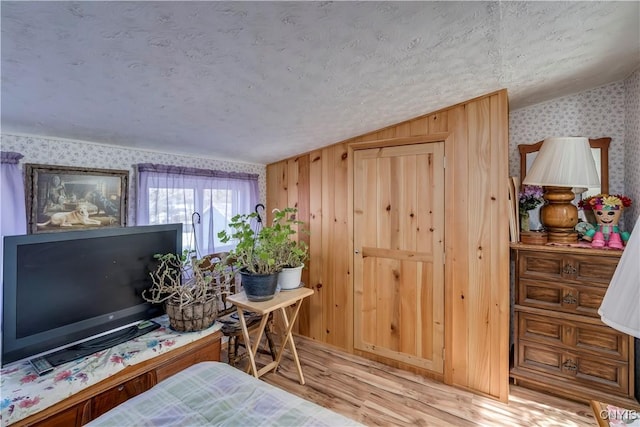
{"x":190,"y":288}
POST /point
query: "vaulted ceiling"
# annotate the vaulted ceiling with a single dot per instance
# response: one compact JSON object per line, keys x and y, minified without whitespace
{"x":261,"y":81}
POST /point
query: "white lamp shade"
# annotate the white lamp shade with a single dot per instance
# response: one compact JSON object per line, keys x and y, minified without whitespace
{"x":620,"y":307}
{"x":564,"y":162}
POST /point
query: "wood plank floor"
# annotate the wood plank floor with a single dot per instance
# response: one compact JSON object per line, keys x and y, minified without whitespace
{"x":378,"y":395}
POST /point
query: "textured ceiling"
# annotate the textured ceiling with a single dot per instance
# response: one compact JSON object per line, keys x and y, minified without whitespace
{"x":261,"y":81}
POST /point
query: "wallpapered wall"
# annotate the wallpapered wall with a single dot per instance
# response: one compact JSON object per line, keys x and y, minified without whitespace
{"x":632,"y":145}
{"x":595,"y":113}
{"x":51,"y":151}
{"x":610,"y":110}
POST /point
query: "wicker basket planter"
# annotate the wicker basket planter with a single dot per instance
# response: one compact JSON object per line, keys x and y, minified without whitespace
{"x":192,"y":317}
{"x":189,"y":288}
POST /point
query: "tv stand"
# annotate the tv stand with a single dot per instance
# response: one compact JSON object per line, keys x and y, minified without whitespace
{"x":101,"y":343}
{"x":89,"y":403}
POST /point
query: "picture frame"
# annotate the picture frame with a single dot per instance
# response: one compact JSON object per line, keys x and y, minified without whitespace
{"x":62,"y":198}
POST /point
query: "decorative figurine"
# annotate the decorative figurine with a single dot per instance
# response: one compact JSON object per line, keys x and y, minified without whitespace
{"x":607,"y":209}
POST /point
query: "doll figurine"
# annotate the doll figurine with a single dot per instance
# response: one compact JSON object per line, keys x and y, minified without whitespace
{"x":607,"y":210}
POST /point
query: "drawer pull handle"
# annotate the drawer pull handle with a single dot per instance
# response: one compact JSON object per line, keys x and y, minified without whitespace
{"x":569,"y":269}
{"x":570,"y":365}
{"x":569,"y":299}
{"x":121,"y":388}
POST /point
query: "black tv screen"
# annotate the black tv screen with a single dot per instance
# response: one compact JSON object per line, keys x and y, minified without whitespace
{"x":61,"y":288}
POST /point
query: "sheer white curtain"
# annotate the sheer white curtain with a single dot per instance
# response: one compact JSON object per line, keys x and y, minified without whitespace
{"x":202,"y":200}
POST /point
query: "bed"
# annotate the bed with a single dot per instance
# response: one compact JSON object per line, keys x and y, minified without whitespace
{"x":216,"y":394}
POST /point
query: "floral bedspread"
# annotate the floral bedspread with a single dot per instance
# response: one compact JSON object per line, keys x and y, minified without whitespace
{"x":23,"y":392}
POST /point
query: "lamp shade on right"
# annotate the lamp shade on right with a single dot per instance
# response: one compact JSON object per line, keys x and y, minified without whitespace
{"x":564,"y":162}
{"x":620,"y":307}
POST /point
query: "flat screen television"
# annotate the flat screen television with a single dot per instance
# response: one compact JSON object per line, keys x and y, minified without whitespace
{"x":60,"y":289}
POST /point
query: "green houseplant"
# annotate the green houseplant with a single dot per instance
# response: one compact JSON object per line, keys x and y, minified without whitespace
{"x":293,"y":257}
{"x":262,"y":252}
{"x":189,"y":288}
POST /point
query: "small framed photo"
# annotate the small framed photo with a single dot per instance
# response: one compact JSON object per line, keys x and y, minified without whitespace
{"x":61,"y":198}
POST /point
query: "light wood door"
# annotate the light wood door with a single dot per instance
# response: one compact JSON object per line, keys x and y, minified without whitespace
{"x":399,"y":253}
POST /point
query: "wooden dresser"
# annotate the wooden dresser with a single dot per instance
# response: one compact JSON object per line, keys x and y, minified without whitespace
{"x":93,"y":401}
{"x":560,"y":344}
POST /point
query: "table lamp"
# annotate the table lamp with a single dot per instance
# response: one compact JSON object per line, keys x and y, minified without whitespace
{"x":562,"y":163}
{"x":620,"y":306}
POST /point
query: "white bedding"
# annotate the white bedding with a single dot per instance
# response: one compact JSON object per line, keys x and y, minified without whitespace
{"x":216,"y":394}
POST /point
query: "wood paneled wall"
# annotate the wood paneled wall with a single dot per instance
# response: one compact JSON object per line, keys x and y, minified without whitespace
{"x":319,"y":184}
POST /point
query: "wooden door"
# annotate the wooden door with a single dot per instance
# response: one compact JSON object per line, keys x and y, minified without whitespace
{"x":399,"y":253}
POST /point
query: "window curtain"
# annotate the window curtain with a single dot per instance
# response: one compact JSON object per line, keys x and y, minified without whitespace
{"x":204,"y":201}
{"x":13,"y":217}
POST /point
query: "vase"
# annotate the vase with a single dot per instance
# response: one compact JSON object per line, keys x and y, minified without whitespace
{"x":259,"y":287}
{"x":289,"y":277}
{"x":524,"y":221}
{"x":534,"y":219}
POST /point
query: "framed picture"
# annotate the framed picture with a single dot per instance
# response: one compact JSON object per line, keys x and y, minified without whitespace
{"x":61,"y":198}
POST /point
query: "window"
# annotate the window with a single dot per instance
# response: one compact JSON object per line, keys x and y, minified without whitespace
{"x":204,"y":201}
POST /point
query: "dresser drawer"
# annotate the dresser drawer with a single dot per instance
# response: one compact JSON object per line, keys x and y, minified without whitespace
{"x":78,"y":415}
{"x":584,"y":269}
{"x":566,"y":297}
{"x":580,"y":368}
{"x":597,"y":340}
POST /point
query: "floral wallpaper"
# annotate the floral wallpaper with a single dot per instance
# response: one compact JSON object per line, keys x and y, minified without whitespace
{"x":595,"y":113}
{"x":610,"y":110}
{"x":50,"y":151}
{"x":632,"y":144}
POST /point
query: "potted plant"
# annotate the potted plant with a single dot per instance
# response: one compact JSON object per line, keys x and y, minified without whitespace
{"x":189,"y":288}
{"x":293,"y":256}
{"x":261,"y":253}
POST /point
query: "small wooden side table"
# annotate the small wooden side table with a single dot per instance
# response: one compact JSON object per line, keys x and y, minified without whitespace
{"x":281,"y":301}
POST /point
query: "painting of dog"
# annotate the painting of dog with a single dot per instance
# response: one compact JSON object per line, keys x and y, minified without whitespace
{"x":63,"y":198}
{"x":68,"y":219}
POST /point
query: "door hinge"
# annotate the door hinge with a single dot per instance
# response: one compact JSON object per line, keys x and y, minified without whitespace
{"x":444,"y":162}
{"x":443,"y":353}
